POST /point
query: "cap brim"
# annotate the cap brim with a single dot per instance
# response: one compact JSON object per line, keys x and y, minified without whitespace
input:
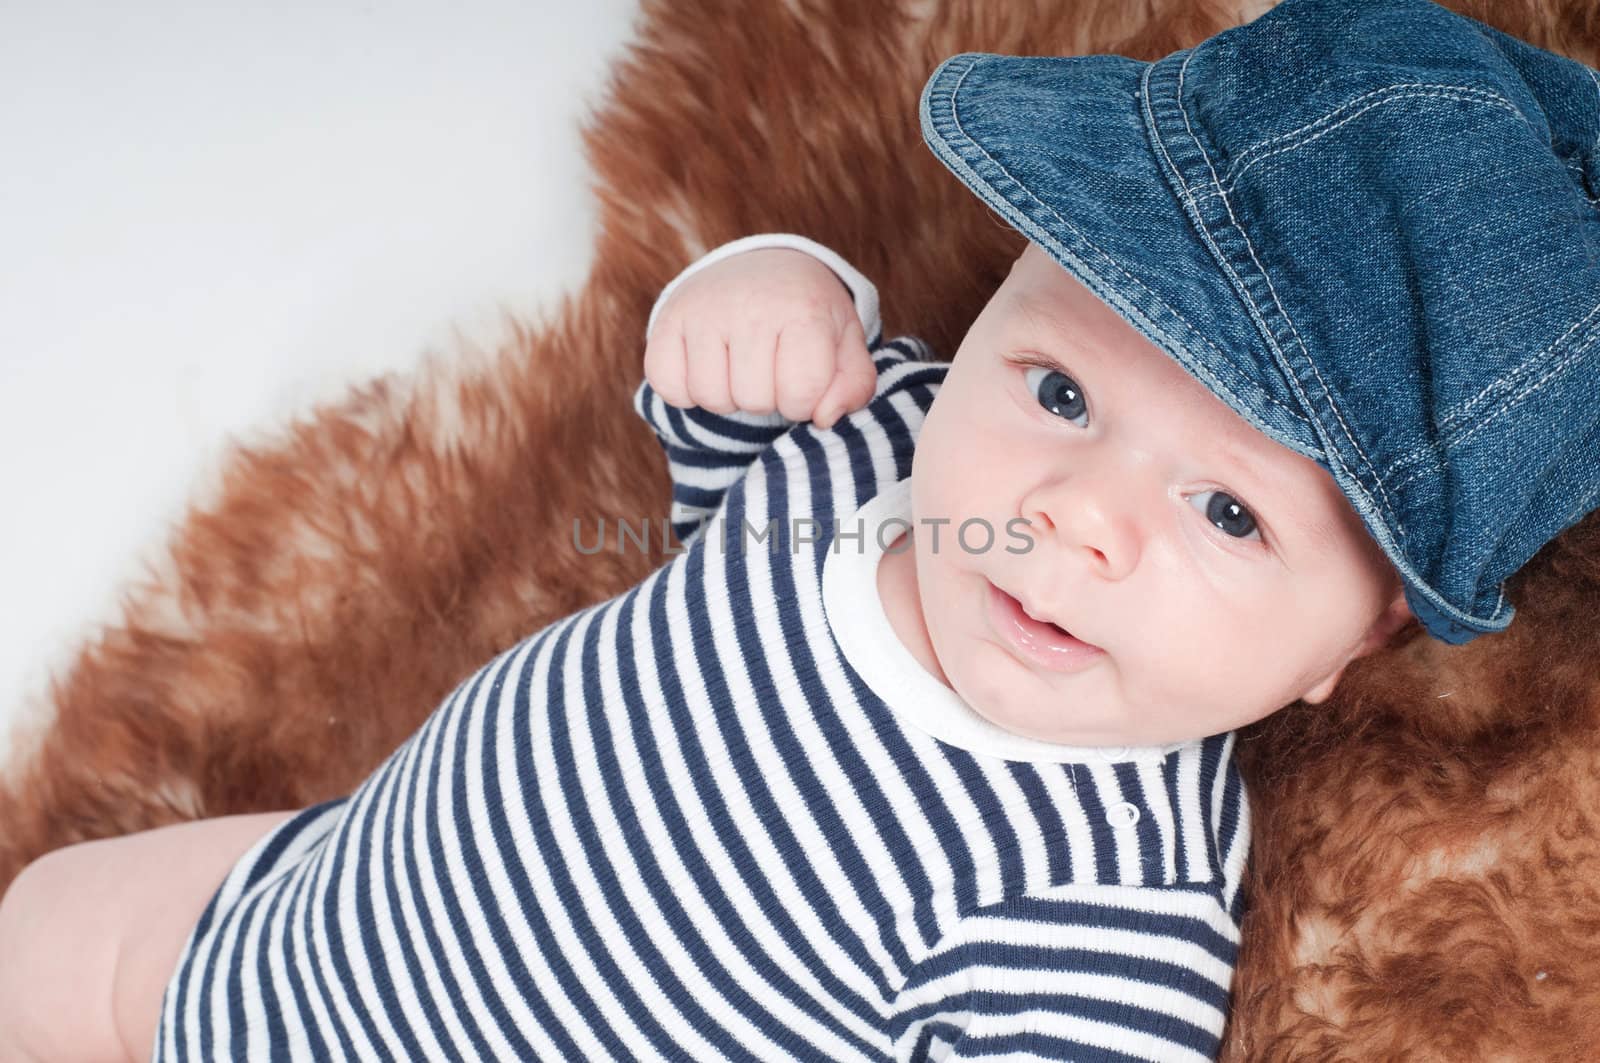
{"x":1057,"y":146}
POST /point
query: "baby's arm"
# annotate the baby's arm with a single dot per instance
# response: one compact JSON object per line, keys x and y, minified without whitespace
{"x":756,"y":336}
{"x":1079,"y":972}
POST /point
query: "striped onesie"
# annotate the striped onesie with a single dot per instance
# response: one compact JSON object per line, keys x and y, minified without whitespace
{"x":726,"y":815}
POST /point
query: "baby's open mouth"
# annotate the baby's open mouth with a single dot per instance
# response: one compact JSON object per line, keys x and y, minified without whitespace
{"x":1048,"y":623}
{"x":1043,"y":641}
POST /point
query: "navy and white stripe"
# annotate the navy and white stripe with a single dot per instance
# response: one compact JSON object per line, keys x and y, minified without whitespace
{"x":678,"y":825}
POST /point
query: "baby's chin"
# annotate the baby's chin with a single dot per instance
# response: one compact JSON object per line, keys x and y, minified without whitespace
{"x":1042,"y":715}
{"x":1101,"y":718}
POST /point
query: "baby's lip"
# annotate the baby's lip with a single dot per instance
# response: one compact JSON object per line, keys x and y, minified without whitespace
{"x":1043,"y":616}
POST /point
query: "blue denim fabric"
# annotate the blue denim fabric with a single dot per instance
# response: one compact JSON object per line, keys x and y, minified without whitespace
{"x":1371,"y":228}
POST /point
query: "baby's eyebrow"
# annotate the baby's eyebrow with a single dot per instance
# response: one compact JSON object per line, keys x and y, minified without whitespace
{"x":1236,"y":458}
{"x":1040,"y":314}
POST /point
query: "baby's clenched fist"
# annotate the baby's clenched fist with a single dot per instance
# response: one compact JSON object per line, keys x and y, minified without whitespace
{"x":763,"y":330}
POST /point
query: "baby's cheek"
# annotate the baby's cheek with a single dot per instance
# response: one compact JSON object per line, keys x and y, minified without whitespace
{"x":978,"y":683}
{"x":1265,"y":659}
{"x":940,"y":484}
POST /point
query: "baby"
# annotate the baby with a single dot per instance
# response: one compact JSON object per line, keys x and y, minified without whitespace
{"x":922,"y":748}
{"x":846,"y":793}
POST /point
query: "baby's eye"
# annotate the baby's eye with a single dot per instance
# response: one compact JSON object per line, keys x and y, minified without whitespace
{"x":1060,"y":394}
{"x":1056,"y":392}
{"x":1225,"y":512}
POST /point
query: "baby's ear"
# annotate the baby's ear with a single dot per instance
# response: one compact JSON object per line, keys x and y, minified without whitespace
{"x":1319,"y":693}
{"x":1394,"y":617}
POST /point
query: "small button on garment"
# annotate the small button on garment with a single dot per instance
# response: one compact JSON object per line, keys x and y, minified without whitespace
{"x":1122,"y":814}
{"x":1114,"y":752}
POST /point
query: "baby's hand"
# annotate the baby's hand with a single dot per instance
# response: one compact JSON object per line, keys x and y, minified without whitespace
{"x":763,"y":330}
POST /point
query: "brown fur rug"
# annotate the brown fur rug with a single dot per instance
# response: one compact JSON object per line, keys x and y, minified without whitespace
{"x":1425,"y":881}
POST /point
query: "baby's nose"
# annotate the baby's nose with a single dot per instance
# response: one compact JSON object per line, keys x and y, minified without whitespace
{"x":1089,"y":519}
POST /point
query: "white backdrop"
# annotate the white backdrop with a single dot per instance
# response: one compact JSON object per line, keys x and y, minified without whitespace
{"x":214,"y":215}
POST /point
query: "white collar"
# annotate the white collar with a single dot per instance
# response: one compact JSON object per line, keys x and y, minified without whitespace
{"x":861,"y":627}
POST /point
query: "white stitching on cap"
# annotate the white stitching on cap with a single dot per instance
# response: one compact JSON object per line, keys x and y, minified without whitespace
{"x":1510,"y":379}
{"x":955,"y":114}
{"x":1388,"y":94}
{"x":1436,"y":465}
{"x":1575,"y":168}
{"x":1517,"y":399}
{"x":1376,"y":474}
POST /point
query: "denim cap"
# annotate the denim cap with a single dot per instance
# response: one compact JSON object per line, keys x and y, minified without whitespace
{"x":1371,"y":228}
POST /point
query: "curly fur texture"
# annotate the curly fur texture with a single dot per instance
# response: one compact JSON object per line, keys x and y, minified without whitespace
{"x":1426,"y":873}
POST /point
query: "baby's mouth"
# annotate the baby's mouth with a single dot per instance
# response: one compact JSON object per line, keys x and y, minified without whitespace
{"x":1042,"y":641}
{"x":1041,"y":620}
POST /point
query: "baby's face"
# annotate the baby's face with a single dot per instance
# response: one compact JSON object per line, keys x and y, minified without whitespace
{"x":1215,"y":575}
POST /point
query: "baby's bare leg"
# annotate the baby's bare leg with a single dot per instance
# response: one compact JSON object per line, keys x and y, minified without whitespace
{"x":90,"y":936}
